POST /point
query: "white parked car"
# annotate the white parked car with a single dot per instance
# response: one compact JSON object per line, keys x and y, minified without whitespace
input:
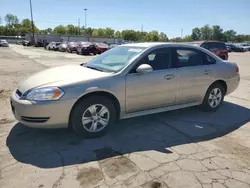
{"x":245,"y":46}
{"x":4,"y":43}
{"x":53,"y":45}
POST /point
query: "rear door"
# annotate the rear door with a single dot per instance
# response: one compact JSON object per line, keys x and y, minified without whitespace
{"x":195,"y":71}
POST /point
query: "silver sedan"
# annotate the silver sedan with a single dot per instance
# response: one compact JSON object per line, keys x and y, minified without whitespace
{"x":127,"y":81}
{"x":4,"y":43}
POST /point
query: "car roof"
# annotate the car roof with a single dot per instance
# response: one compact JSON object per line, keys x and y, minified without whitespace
{"x":204,"y":41}
{"x":154,"y":44}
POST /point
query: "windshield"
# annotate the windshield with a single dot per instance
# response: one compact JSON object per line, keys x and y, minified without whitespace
{"x":3,"y":41}
{"x":101,"y":44}
{"x":115,"y":59}
{"x":195,"y":44}
{"x":85,"y":43}
{"x":216,"y":46}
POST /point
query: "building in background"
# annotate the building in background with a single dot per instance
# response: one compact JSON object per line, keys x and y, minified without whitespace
{"x":46,"y":38}
{"x":12,"y":39}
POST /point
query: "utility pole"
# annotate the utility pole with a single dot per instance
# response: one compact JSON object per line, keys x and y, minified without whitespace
{"x":32,"y":24}
{"x":79,"y":26}
{"x":142,"y":28}
{"x":85,"y":18}
{"x":181,"y":32}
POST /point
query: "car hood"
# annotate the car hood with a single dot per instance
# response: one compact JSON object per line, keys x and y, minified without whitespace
{"x":67,"y":74}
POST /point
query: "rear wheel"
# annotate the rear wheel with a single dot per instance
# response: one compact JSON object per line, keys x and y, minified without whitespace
{"x":93,"y":116}
{"x":213,"y":98}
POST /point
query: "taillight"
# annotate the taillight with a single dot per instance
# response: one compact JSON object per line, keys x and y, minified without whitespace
{"x":237,"y":69}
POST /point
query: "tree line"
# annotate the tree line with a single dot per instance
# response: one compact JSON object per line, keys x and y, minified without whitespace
{"x":16,"y":27}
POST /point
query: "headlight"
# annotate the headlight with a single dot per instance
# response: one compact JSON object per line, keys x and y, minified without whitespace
{"x":44,"y":94}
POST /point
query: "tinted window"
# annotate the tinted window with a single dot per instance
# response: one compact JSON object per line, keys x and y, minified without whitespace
{"x":186,"y":57}
{"x":216,"y":46}
{"x":158,"y":59}
{"x":208,"y":60}
{"x":203,"y":45}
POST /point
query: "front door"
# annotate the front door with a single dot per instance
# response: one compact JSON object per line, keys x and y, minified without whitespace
{"x":153,"y":89}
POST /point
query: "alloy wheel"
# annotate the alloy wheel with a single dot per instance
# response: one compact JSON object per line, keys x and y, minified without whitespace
{"x":95,"y":118}
{"x":215,"y":97}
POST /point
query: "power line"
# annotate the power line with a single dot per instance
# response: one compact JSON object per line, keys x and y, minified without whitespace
{"x":56,"y":21}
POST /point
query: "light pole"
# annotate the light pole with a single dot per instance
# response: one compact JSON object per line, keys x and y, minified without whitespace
{"x":85,"y":18}
{"x":32,"y":24}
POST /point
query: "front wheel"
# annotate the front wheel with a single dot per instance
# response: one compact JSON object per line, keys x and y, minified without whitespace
{"x":213,"y":98}
{"x":93,"y":116}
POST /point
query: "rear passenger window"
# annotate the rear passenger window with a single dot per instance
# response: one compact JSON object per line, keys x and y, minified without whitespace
{"x":208,"y":60}
{"x":203,"y":45}
{"x":188,"y":57}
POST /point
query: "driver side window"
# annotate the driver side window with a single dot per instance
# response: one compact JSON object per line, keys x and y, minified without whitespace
{"x":158,"y":59}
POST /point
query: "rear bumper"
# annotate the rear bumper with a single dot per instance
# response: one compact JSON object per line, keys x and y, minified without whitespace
{"x":232,"y":84}
{"x":84,"y":50}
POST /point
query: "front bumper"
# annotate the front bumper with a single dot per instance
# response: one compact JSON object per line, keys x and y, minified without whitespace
{"x":49,"y":114}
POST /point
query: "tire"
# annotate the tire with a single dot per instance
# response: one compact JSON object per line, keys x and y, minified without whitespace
{"x":49,"y":48}
{"x":82,"y":110}
{"x":211,"y":99}
{"x":69,"y":50}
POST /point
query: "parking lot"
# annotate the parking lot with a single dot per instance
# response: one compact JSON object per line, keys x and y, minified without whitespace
{"x":179,"y":149}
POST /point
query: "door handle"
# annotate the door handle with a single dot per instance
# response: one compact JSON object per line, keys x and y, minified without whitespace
{"x":207,"y":72}
{"x":169,"y":77}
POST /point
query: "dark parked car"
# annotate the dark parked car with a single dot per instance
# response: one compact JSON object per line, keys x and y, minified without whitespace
{"x":62,"y":47}
{"x":71,"y":47}
{"x":86,"y":48}
{"x":101,"y":47}
{"x":217,"y":47}
{"x":235,"y":48}
{"x":26,"y":43}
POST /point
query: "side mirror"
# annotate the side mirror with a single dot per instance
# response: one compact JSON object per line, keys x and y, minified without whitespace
{"x":144,"y":68}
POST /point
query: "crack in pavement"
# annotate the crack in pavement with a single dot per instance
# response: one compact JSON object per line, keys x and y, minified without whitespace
{"x":58,"y":181}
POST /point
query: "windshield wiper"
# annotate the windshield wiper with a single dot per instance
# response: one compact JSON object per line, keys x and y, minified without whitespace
{"x":94,"y":68}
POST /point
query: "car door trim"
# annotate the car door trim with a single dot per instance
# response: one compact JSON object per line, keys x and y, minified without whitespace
{"x":158,"y":110}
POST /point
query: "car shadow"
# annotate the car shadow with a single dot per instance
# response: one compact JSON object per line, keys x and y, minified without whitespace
{"x":55,"y":148}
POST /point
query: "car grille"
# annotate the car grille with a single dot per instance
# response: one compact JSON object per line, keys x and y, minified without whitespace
{"x":35,"y":119}
{"x":18,"y":93}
